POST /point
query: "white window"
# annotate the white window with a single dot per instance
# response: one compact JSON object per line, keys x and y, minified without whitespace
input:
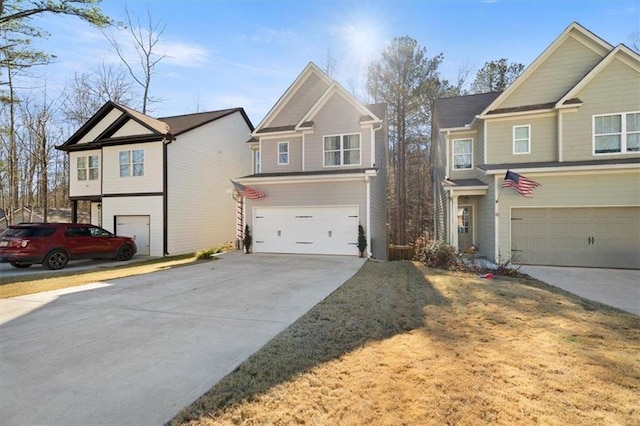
{"x":616,"y":133}
{"x":522,"y":139}
{"x":283,"y":153}
{"x":342,"y":150}
{"x":462,"y":154}
{"x":132,"y":163}
{"x":87,"y":167}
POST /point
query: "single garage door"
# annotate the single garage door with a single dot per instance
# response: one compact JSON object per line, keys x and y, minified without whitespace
{"x":311,"y":230}
{"x":603,"y":237}
{"x":136,"y":227}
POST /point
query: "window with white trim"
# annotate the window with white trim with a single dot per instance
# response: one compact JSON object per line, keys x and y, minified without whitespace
{"x":616,"y":133}
{"x":131,"y":163}
{"x":522,"y":139}
{"x":87,"y":167}
{"x":342,"y":150}
{"x":283,"y":153}
{"x":462,"y":154}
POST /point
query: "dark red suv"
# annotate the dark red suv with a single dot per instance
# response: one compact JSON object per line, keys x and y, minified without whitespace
{"x":54,"y":244}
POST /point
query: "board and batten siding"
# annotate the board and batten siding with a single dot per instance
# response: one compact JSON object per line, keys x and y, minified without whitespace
{"x":137,"y":206}
{"x":301,"y":102}
{"x":615,"y":89}
{"x":543,"y":139}
{"x":269,"y":154}
{"x":336,"y":117}
{"x":83,"y":188}
{"x":556,"y":75}
{"x":150,"y":182}
{"x":101,"y":126}
{"x":200,"y":208}
{"x":579,"y":189}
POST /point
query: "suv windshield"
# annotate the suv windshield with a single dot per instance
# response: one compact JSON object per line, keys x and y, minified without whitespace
{"x":28,"y":232}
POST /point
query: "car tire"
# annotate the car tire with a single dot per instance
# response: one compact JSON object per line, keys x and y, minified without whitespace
{"x":56,"y":259}
{"x":20,"y":265}
{"x":125,"y":252}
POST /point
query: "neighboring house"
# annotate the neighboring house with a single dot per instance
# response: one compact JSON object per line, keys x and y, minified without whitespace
{"x":570,"y":122}
{"x":163,"y":181}
{"x":320,"y":157}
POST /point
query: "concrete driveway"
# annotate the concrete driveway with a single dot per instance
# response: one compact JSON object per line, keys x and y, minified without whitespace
{"x":6,"y":270}
{"x":619,"y":288}
{"x":135,"y":351}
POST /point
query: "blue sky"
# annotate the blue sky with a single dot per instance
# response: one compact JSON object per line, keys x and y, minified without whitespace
{"x":246,"y":53}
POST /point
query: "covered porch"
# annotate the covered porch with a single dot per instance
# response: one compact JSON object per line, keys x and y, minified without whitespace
{"x":462,"y":208}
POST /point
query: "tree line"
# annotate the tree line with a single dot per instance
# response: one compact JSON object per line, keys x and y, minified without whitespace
{"x":34,"y":173}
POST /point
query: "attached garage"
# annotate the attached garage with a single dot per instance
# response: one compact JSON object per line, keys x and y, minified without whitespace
{"x":603,"y":237}
{"x":306,"y":230}
{"x":136,"y":227}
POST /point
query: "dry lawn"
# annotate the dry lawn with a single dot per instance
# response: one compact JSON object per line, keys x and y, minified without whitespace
{"x":35,"y":283}
{"x":403,"y":344}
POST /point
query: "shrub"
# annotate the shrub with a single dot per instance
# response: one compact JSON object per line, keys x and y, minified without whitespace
{"x":437,"y":254}
{"x":207,"y":253}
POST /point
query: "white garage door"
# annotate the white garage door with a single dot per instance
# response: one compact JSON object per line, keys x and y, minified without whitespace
{"x":136,"y":227}
{"x":602,"y":237}
{"x":311,"y":230}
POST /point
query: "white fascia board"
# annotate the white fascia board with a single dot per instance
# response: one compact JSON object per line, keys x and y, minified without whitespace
{"x":276,"y":135}
{"x":516,"y":113}
{"x":267,"y":180}
{"x":466,"y":128}
{"x":564,"y":169}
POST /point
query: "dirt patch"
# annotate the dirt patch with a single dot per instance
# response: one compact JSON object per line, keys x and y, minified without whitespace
{"x":404,"y":344}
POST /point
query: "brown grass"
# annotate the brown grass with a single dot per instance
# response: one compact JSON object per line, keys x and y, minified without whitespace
{"x":403,"y":344}
{"x":35,"y":283}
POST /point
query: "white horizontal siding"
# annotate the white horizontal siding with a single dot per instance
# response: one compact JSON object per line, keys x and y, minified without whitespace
{"x":136,"y":206}
{"x":201,"y":210}
{"x":83,"y":188}
{"x":150,"y":182}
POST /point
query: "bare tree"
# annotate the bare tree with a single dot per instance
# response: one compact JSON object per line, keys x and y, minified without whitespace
{"x":634,"y":38}
{"x":88,"y":91}
{"x":330,"y":66}
{"x":144,"y":40}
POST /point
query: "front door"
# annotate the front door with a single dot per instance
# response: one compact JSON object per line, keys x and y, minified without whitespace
{"x":465,"y":227}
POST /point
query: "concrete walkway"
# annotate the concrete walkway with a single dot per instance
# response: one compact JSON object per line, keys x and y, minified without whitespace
{"x":619,"y":288}
{"x":135,"y":351}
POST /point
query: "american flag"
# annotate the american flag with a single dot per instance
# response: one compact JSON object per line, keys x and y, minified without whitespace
{"x":521,"y":184}
{"x":247,"y":191}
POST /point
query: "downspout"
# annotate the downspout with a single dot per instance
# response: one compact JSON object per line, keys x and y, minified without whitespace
{"x":367,"y":179}
{"x":165,"y":199}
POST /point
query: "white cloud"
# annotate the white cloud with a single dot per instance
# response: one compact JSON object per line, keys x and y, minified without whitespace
{"x":180,"y":54}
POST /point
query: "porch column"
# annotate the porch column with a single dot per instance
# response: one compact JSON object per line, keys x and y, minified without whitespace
{"x":74,"y":211}
{"x":454,"y":221}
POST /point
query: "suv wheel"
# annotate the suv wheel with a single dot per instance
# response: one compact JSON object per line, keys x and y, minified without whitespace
{"x":20,"y":265}
{"x":57,"y":259}
{"x":125,"y":252}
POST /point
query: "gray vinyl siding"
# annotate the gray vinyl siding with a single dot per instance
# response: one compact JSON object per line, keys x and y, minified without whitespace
{"x":201,"y":162}
{"x":543,"y":135}
{"x":336,"y":117}
{"x":555,"y":76}
{"x":269,"y":154}
{"x":301,"y":102}
{"x":485,"y":222}
{"x":595,"y":189}
{"x":439,"y":194}
{"x":615,"y":89}
{"x":479,"y":144}
{"x":379,"y":197}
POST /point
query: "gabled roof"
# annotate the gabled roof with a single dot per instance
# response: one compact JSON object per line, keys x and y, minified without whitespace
{"x":167,"y":127}
{"x":573,"y":29}
{"x":460,"y":111}
{"x":621,"y":51}
{"x":306,"y":119}
{"x":183,"y":123}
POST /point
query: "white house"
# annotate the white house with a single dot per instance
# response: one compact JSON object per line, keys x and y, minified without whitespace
{"x":166,"y":181}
